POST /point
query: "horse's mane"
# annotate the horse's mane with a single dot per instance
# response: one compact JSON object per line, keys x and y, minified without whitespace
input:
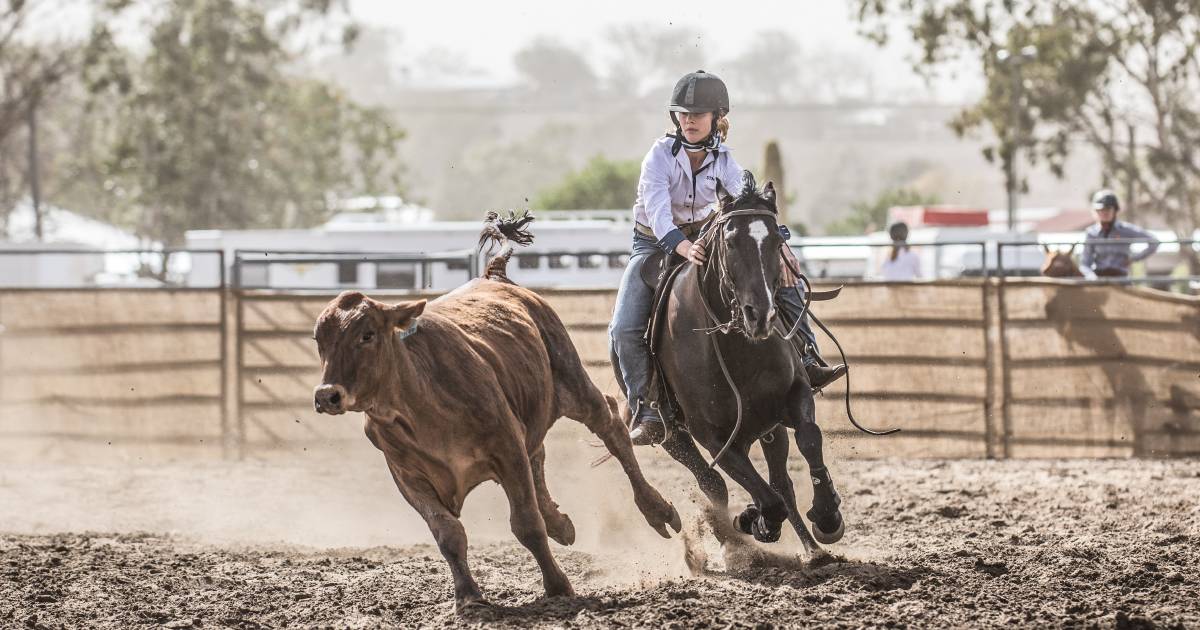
{"x":751,"y":196}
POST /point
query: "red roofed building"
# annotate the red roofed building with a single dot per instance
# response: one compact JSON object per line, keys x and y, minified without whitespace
{"x":938,"y":216}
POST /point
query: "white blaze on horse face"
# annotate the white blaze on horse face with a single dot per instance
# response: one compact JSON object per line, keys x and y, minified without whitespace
{"x":759,"y":232}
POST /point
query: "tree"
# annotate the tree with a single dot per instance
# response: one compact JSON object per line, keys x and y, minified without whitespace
{"x":770,"y":69}
{"x":773,"y":172}
{"x":870,"y":215}
{"x":602,"y":184}
{"x":649,"y":59}
{"x":549,"y":66}
{"x":207,"y":131}
{"x":1122,"y":77}
{"x":31,"y":69}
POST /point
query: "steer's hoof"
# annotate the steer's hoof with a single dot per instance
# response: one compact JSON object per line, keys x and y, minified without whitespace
{"x":659,"y":512}
{"x":562,"y":531}
{"x":676,"y":523}
{"x":470,"y":606}
{"x":827,"y":529}
{"x":672,"y":521}
{"x":560,"y":589}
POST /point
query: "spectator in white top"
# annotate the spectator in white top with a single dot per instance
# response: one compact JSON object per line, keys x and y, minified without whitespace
{"x":902,"y":262}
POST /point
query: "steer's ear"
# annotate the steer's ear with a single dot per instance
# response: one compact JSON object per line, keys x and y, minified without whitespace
{"x":400,"y":315}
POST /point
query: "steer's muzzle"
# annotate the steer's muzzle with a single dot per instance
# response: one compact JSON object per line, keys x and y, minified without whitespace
{"x":330,"y":399}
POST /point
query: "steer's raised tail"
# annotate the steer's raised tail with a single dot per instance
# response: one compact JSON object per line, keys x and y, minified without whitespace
{"x":503,"y":231}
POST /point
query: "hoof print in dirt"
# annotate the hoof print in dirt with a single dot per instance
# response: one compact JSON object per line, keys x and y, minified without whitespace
{"x":993,"y":569}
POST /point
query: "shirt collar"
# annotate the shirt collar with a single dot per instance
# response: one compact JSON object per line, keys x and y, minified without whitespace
{"x":686,"y":163}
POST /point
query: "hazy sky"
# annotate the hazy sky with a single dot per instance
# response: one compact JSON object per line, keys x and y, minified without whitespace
{"x":486,"y":34}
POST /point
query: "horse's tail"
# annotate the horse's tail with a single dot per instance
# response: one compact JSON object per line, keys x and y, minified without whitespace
{"x":503,"y":231}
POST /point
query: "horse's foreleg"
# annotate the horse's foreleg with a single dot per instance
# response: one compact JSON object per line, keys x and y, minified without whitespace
{"x":776,"y":453}
{"x":765,"y":518}
{"x":826,"y":518}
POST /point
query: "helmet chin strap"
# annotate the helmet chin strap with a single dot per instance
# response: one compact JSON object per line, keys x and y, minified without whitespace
{"x":710,"y":143}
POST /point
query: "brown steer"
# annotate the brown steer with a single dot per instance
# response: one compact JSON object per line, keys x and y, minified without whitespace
{"x":462,"y":390}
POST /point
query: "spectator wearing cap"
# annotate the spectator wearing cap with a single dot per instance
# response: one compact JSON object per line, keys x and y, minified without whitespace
{"x":1107,"y":243}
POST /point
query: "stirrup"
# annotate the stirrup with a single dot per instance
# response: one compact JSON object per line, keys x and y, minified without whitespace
{"x":647,"y":431}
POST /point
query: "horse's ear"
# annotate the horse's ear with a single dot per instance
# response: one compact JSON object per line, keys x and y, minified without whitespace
{"x":1045,"y":248}
{"x":1072,"y":249}
{"x":723,"y":196}
{"x":768,"y":193}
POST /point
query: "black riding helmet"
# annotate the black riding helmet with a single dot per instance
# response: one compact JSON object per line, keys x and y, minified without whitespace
{"x":1105,"y":199}
{"x":698,"y":92}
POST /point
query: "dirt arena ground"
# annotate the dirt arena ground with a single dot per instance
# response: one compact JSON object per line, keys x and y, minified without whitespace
{"x":302,"y":541}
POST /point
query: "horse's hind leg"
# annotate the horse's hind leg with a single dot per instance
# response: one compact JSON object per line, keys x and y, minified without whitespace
{"x":826,"y":518}
{"x":558,"y":525}
{"x":598,"y":412}
{"x":682,"y":448}
{"x":776,"y":453}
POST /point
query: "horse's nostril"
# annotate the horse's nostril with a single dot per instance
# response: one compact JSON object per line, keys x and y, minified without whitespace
{"x":751,"y":313}
{"x":334,"y":398}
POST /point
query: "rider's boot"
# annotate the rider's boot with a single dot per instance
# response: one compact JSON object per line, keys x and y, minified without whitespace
{"x":648,"y":425}
{"x":821,"y":373}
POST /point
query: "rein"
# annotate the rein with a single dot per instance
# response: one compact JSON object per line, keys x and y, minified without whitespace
{"x":717,"y":257}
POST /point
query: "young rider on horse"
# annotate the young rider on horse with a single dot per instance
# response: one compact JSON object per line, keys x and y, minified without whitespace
{"x":676,"y":192}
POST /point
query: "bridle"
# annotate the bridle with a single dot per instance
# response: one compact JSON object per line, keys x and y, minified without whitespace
{"x":718,"y":258}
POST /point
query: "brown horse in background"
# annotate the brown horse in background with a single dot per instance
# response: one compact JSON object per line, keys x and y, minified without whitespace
{"x":1060,"y":264}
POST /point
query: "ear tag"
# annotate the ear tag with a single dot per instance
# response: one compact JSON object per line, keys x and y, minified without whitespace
{"x":410,"y":331}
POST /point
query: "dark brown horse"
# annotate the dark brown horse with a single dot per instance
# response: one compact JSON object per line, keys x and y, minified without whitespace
{"x":718,"y":331}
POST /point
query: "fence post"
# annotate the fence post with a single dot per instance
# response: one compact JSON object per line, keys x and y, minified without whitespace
{"x":989,"y":356}
{"x":223,"y":304}
{"x":239,"y":360}
{"x":1005,"y":377}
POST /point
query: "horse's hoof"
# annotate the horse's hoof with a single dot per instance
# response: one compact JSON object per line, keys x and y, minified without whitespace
{"x":828,"y":529}
{"x":764,"y":533}
{"x":744,"y":522}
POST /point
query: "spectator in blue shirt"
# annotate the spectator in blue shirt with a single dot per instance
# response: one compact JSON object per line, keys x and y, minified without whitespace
{"x":1104,"y":256}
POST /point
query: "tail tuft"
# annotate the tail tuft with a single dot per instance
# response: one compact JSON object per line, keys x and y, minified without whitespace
{"x":503,"y":231}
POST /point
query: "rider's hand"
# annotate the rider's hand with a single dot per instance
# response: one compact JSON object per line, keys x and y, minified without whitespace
{"x":694,"y":252}
{"x":786,"y":277}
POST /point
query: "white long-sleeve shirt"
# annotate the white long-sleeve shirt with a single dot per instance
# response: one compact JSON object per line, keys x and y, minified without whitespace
{"x":668,"y":195}
{"x":906,"y":266}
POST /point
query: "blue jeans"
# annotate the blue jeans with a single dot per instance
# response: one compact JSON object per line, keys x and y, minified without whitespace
{"x":791,"y":301}
{"x":627,"y":331}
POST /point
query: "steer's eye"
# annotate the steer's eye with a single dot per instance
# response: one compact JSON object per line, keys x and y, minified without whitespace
{"x":367,"y":337}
